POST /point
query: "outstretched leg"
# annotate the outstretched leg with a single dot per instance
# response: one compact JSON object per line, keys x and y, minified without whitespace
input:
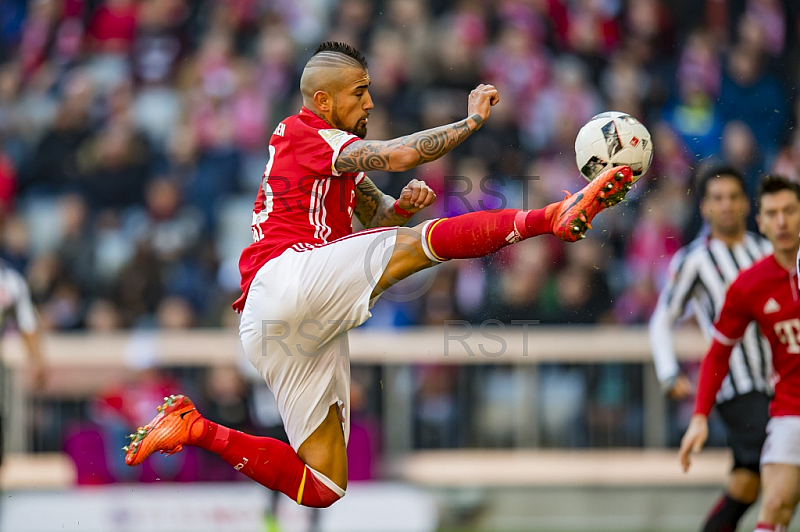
{"x":315,"y":476}
{"x":481,"y":233}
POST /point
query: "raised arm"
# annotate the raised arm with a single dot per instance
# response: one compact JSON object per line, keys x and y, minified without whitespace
{"x":376,"y":209}
{"x":404,"y":153}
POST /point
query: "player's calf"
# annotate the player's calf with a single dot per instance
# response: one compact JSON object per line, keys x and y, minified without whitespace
{"x":268,"y":461}
{"x":481,"y":233}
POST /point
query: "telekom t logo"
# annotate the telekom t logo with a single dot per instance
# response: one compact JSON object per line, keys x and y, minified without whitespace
{"x":789,"y":333}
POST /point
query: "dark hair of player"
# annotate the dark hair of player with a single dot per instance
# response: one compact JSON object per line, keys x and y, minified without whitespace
{"x":342,"y":48}
{"x":715,"y":172}
{"x":772,"y":183}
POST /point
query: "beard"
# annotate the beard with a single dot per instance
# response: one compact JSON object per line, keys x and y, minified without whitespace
{"x":357,"y":129}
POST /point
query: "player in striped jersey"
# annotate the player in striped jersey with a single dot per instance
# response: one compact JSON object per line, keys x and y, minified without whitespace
{"x":16,"y":306}
{"x":700,"y":274}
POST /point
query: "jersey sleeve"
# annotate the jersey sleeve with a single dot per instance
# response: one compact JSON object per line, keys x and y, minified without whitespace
{"x":735,"y":315}
{"x":25,"y":315}
{"x":729,"y":328}
{"x":671,"y":305}
{"x":712,"y":372}
{"x":316,"y":150}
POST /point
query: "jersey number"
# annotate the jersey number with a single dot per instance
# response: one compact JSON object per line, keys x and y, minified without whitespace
{"x":352,"y":203}
{"x":261,"y":217}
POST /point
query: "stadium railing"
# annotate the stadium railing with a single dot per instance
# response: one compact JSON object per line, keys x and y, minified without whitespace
{"x":82,"y":363}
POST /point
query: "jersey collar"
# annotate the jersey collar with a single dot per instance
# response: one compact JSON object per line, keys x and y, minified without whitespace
{"x":313,"y":119}
{"x":783,"y":272}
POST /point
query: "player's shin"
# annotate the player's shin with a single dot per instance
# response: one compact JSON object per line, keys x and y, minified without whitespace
{"x":478,"y":234}
{"x":269,"y":462}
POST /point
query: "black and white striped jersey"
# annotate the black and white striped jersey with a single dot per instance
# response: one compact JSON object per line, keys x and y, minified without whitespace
{"x":15,"y":300}
{"x":700,"y":274}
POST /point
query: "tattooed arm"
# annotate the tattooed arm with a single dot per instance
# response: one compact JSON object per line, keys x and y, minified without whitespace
{"x":404,"y":153}
{"x":376,"y":209}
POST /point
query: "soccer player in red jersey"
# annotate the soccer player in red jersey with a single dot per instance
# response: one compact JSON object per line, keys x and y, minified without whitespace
{"x":766,"y":293}
{"x":307,"y":280}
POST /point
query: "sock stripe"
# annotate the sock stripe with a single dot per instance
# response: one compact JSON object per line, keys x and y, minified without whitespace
{"x":427,"y":237}
{"x":302,"y":486}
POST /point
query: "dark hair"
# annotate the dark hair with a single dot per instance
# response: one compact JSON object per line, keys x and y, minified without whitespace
{"x":771,"y":183}
{"x":342,"y":48}
{"x":715,"y":172}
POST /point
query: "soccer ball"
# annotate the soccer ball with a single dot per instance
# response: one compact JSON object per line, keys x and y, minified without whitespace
{"x":613,"y":139}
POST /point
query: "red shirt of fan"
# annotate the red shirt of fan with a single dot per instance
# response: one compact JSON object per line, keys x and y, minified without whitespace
{"x":767,"y":294}
{"x":302,"y":201}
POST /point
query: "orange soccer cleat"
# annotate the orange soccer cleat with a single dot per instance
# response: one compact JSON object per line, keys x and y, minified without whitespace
{"x":574,"y":213}
{"x":167,"y":432}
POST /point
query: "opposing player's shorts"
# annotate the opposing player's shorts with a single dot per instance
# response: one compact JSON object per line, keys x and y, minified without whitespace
{"x":746,"y":418}
{"x":783,"y":441}
{"x":294,"y":324}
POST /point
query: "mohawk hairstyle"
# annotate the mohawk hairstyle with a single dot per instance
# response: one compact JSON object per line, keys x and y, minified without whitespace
{"x":343,"y":48}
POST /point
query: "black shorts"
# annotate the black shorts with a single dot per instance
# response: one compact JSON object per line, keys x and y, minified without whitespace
{"x":745,"y":417}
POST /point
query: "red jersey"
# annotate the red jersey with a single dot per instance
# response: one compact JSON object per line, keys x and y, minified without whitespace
{"x":302,"y":201}
{"x":766,"y":293}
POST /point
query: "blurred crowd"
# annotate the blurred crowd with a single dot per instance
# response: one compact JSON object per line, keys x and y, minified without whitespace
{"x":133,"y":135}
{"x":133,"y":132}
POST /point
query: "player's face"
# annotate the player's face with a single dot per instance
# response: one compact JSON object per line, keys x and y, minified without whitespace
{"x":779,"y":220}
{"x":725,"y":206}
{"x":351,"y":105}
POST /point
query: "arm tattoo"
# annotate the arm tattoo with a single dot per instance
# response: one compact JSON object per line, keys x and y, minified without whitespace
{"x":403,"y":153}
{"x":374,"y":208}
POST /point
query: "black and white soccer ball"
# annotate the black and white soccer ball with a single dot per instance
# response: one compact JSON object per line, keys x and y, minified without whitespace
{"x":613,"y":139}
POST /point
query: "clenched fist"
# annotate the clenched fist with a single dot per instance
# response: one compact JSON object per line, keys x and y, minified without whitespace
{"x":481,"y":100}
{"x":416,"y":195}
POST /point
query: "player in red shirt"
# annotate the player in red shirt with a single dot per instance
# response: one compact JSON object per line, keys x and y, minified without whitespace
{"x":766,"y":293}
{"x":306,"y":280}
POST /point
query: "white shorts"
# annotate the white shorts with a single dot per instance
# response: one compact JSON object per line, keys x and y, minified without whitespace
{"x":782,"y":445}
{"x":295,"y":321}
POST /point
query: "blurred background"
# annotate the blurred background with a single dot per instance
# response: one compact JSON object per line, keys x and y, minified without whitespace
{"x":132,"y":143}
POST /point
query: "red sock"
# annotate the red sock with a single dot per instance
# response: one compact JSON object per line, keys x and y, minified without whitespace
{"x":268,"y":461}
{"x":478,"y":234}
{"x":766,"y":527}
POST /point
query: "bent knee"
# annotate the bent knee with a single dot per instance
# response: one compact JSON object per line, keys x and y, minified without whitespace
{"x":320,"y":491}
{"x":326,"y":501}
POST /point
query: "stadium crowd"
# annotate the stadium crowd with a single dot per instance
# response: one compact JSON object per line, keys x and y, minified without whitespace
{"x":133,"y":134}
